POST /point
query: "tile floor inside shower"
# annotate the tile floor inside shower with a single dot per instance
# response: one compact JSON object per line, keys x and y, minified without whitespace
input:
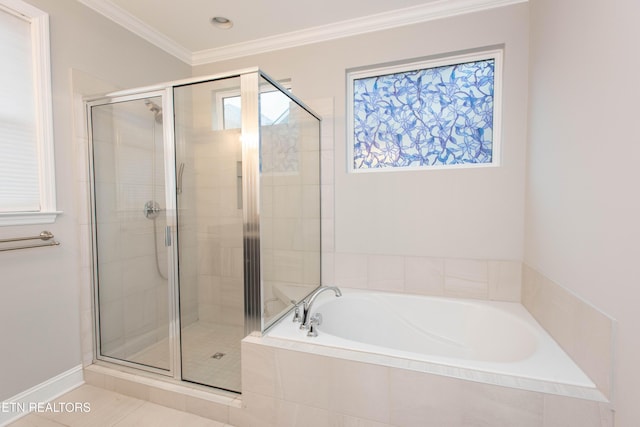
{"x":210,"y":354}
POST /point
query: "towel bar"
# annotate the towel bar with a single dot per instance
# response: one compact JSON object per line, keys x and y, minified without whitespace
{"x":45,"y":236}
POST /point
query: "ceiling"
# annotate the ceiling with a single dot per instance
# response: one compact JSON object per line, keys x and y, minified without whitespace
{"x":183,"y":27}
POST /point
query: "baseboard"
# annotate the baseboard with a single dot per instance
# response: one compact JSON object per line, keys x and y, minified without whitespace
{"x":18,"y":406}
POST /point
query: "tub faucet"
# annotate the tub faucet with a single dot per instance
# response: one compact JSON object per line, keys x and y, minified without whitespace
{"x":306,"y":305}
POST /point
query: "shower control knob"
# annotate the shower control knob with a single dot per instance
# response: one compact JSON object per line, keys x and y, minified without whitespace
{"x":151,"y":209}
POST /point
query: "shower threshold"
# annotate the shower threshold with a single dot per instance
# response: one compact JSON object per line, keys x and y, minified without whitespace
{"x":196,"y":399}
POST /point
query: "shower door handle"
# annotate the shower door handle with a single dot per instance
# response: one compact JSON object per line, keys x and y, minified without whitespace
{"x":167,"y":236}
{"x":239,"y":184}
{"x":179,"y":184}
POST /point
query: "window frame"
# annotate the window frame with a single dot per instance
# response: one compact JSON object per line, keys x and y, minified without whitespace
{"x":378,"y":71}
{"x":221,"y":95}
{"x":39,"y":22}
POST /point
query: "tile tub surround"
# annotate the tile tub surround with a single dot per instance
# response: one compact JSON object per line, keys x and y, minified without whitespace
{"x":284,"y":387}
{"x":498,"y":280}
{"x":492,"y":342}
{"x":585,"y":333}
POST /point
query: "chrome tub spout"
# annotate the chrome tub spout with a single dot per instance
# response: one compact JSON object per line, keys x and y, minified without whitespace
{"x":306,"y":307}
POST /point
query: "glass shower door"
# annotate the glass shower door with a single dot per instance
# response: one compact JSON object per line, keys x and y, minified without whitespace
{"x":131,"y":245}
{"x":210,"y":231}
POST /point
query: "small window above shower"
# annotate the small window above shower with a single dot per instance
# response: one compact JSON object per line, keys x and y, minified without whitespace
{"x":274,"y":108}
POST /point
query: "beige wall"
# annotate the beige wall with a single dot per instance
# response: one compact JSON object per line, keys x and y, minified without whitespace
{"x":474,"y":213}
{"x":582,"y":205}
{"x":40,"y":304}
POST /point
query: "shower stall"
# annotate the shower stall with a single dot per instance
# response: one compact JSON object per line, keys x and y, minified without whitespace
{"x":205,"y":201}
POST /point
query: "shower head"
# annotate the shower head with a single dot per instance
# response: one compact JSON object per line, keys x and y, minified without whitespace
{"x":155,"y":109}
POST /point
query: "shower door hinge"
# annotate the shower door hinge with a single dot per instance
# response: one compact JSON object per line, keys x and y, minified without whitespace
{"x":167,"y":236}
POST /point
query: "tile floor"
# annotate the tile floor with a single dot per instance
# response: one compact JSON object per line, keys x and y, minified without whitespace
{"x":108,"y":408}
{"x":200,"y":341}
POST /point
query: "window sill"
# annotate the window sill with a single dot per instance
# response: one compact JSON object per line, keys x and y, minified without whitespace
{"x":28,"y":218}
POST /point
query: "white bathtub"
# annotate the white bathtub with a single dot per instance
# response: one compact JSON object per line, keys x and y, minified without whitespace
{"x":486,"y":341}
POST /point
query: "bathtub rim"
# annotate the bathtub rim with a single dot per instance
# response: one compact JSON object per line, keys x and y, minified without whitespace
{"x":436,"y":368}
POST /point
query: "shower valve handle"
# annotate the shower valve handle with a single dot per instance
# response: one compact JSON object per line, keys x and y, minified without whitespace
{"x":151,"y":209}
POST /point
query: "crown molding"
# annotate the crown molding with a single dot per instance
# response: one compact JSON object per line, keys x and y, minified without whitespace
{"x":413,"y":15}
{"x":438,"y":9}
{"x":139,"y":28}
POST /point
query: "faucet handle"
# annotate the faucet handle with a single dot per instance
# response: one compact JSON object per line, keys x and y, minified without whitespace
{"x":296,"y":314}
{"x":315,"y":320}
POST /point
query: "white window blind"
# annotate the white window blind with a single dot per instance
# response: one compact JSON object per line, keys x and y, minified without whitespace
{"x":27,"y":177}
{"x":19,"y":183}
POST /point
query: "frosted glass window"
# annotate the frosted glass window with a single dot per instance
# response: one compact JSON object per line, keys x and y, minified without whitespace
{"x":436,"y":114}
{"x":27,"y":186}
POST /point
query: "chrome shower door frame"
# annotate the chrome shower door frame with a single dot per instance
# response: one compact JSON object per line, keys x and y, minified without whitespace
{"x":249,"y":93}
{"x":166,"y":94}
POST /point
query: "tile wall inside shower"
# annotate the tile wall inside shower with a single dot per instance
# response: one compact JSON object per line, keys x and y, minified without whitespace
{"x":211,"y":258}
